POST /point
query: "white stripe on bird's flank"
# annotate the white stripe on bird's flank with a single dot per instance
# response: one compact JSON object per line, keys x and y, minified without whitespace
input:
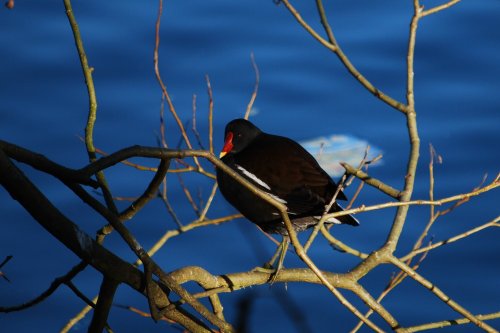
{"x":341,"y":207}
{"x":334,"y":219}
{"x":330,"y":220}
{"x":253,"y":177}
{"x":260,"y":182}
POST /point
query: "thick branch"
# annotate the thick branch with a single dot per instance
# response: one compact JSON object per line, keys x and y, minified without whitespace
{"x":411,"y":123}
{"x":103,"y":305}
{"x":371,"y":181}
{"x":441,"y":295}
{"x":144,"y":257}
{"x":42,"y":163}
{"x":92,"y":114}
{"x":68,"y":233}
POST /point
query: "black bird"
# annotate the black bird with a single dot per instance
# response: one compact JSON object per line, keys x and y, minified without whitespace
{"x":282,"y":168}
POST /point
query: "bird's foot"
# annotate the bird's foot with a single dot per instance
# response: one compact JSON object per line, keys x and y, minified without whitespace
{"x":279,"y":255}
{"x":264,"y":269}
{"x":268,"y":269}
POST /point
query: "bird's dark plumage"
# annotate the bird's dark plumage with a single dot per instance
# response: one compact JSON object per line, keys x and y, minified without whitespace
{"x":282,"y":168}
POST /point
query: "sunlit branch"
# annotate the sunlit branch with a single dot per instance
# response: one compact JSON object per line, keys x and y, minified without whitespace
{"x":492,"y":223}
{"x":343,"y":58}
{"x":439,"y":8}
{"x":451,"y":322}
{"x":441,"y":295}
{"x":363,"y":208}
{"x":92,"y":114}
{"x":256,"y":87}
{"x":356,"y":172}
{"x":210,"y":115}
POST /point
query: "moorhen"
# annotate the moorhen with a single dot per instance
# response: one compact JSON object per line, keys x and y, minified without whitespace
{"x":283,"y":169}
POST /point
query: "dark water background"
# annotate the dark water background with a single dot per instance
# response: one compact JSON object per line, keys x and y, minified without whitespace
{"x":304,"y":92}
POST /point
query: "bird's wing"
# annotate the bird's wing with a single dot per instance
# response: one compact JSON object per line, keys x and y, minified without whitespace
{"x":304,"y":201}
{"x":289,"y":172}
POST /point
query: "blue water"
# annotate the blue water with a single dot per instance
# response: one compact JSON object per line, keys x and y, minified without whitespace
{"x":304,"y":93}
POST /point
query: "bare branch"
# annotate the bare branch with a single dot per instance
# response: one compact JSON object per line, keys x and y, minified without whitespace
{"x":163,"y":86}
{"x":2,"y":274}
{"x":194,"y":127}
{"x":494,"y":184}
{"x":343,"y":247}
{"x":256,"y":87}
{"x":491,"y":223}
{"x":89,"y":128}
{"x":210,"y":116}
{"x":344,"y":59}
{"x":439,"y":8}
{"x":302,"y":254}
{"x":441,"y":295}
{"x":371,"y":181}
{"x":104,"y":302}
{"x":53,"y":287}
{"x":150,"y":192}
{"x":451,"y":322}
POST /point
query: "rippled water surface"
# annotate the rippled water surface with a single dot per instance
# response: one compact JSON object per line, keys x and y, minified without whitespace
{"x":304,"y":93}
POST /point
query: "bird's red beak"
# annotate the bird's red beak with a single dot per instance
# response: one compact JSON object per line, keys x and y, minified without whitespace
{"x":228,"y":145}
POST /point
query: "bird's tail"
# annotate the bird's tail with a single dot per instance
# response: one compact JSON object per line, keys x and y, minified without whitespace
{"x":344,"y":219}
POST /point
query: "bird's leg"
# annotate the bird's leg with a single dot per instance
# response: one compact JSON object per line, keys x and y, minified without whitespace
{"x":282,"y":248}
{"x":270,"y":263}
{"x":280,"y":255}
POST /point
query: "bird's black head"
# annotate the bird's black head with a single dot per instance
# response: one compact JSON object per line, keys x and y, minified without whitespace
{"x":238,"y":134}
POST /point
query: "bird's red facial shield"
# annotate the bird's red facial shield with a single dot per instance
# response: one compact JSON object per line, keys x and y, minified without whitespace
{"x":228,"y":145}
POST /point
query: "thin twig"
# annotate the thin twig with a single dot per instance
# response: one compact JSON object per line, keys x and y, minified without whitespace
{"x":458,"y":197}
{"x":194,"y":224}
{"x":128,"y":163}
{"x":52,"y":288}
{"x":341,"y":246}
{"x":194,"y":128}
{"x":169,"y":207}
{"x":142,"y":313}
{"x":393,"y":283}
{"x":210,"y":116}
{"x":79,"y":294}
{"x":439,"y":8}
{"x":150,"y":192}
{"x":79,"y":316}
{"x":451,"y":322}
{"x":208,"y":203}
{"x":491,"y":223}
{"x":371,"y":181}
{"x":256,"y":87}
{"x":441,"y":295}
{"x":163,"y":139}
{"x":321,"y":222}
{"x":187,"y":193}
{"x":140,"y":167}
{"x":162,"y":84}
{"x":343,"y":183}
{"x":302,"y":254}
{"x":433,"y":216}
{"x":6,"y":260}
{"x":357,"y":192}
{"x":345,"y":60}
